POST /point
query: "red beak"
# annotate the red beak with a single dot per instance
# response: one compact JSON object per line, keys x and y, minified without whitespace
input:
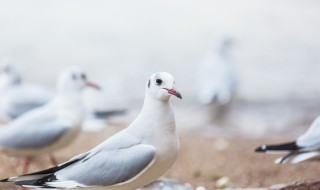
{"x":174,"y":92}
{"x":93,"y":85}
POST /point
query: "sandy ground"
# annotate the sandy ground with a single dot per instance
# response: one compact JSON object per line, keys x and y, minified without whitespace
{"x":210,"y":152}
{"x":202,"y":161}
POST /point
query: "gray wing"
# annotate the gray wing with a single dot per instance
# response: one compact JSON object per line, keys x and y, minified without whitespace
{"x":25,"y":98}
{"x":19,"y":108}
{"x":35,"y":135}
{"x":108,"y":167}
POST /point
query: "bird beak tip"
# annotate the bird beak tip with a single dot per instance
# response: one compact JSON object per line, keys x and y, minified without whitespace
{"x":93,"y":85}
{"x":179,"y":96}
{"x":174,"y":92}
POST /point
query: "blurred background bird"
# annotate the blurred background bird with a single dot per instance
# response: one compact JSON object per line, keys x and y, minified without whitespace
{"x":218,"y":81}
{"x":51,"y":126}
{"x":16,"y":95}
{"x":100,"y":108}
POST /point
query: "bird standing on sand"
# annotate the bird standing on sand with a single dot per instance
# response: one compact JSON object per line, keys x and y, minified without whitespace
{"x":17,"y":96}
{"x":132,"y":158}
{"x":50,"y":127}
{"x":217,"y":76}
{"x":306,"y":147}
{"x":217,"y":80}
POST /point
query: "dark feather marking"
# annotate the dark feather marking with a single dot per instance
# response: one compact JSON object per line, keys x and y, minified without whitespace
{"x":40,"y":182}
{"x":107,"y":114}
{"x":292,"y":146}
{"x":149,"y":83}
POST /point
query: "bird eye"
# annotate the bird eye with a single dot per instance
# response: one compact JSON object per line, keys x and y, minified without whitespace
{"x":159,"y":81}
{"x":83,"y":76}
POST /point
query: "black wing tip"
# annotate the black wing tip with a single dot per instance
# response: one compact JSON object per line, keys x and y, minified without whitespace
{"x":262,"y":148}
{"x":40,"y":183}
{"x":4,"y":180}
{"x":291,"y":146}
{"x":282,"y":161}
{"x":106,"y":114}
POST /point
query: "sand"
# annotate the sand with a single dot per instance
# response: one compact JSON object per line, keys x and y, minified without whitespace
{"x":201,"y":162}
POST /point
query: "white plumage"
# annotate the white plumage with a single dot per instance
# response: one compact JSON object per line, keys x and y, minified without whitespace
{"x":132,"y":158}
{"x":50,"y":127}
{"x":217,"y":75}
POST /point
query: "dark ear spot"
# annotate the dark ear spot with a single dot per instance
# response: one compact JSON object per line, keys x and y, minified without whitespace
{"x":84,"y":76}
{"x":149,"y":83}
{"x":74,"y":76}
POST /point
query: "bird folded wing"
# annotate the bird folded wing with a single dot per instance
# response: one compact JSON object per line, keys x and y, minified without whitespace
{"x":107,"y":168}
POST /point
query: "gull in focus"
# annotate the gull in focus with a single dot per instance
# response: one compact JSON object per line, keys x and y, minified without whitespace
{"x":50,"y":127}
{"x":306,"y":147}
{"x":217,"y":80}
{"x":132,"y":158}
{"x":16,"y":95}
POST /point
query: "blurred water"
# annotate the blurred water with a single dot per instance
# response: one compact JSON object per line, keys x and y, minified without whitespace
{"x":121,"y":43}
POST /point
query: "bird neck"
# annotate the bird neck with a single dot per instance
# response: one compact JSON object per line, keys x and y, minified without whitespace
{"x":70,"y":106}
{"x":223,"y":52}
{"x":158,"y":113}
{"x":153,"y":104}
{"x":69,"y":99}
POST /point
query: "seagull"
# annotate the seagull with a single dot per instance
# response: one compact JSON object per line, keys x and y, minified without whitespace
{"x":50,"y":127}
{"x":217,"y":76}
{"x":132,"y":158}
{"x":17,"y":96}
{"x":306,"y":147}
{"x":13,"y":104}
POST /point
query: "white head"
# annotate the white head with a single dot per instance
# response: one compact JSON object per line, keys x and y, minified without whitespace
{"x":73,"y":80}
{"x":161,"y":86}
{"x":9,"y":72}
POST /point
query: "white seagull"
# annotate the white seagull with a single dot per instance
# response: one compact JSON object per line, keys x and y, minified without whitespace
{"x":218,"y":82}
{"x":52,"y":126}
{"x":306,"y":147}
{"x":132,"y":158}
{"x":17,"y":96}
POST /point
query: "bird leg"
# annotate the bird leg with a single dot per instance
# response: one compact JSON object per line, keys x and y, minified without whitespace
{"x":26,"y":164}
{"x":53,"y":160}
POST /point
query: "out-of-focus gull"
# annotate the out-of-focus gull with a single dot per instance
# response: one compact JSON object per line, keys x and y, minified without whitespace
{"x":17,"y":96}
{"x":132,"y":158}
{"x":217,"y":76}
{"x":52,"y":126}
{"x":306,"y":147}
{"x":100,"y":107}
